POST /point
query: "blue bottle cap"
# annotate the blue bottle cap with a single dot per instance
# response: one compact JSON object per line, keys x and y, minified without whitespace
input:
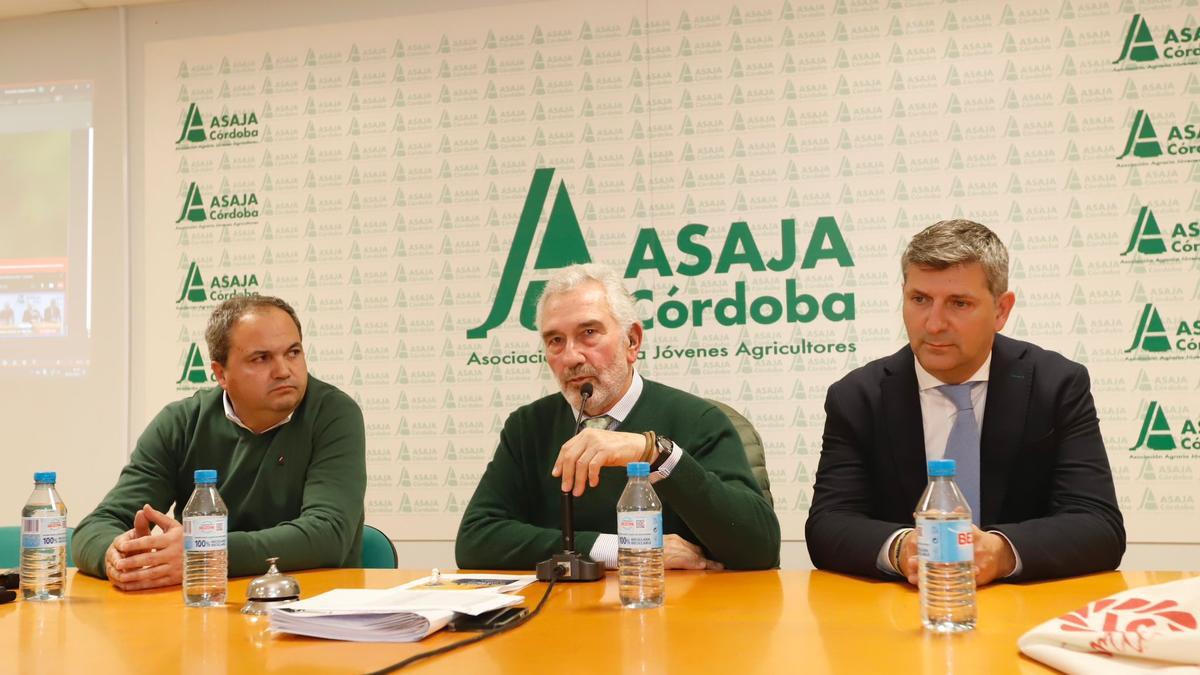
{"x":206,"y":475}
{"x":941,"y":467}
{"x":639,"y":469}
{"x":45,"y":477}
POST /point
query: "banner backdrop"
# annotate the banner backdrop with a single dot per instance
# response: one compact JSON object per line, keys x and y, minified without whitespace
{"x":754,"y":169}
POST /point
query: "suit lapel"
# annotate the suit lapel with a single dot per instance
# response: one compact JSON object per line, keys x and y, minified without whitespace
{"x":902,"y":413}
{"x":1009,"y":384}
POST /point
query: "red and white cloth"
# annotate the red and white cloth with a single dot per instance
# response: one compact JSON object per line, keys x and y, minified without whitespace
{"x":1152,"y":629}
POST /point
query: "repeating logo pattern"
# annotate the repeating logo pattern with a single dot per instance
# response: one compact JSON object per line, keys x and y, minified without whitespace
{"x":754,"y":169}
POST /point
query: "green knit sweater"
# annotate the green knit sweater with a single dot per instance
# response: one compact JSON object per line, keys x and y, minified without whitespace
{"x":710,"y":499}
{"x":308,"y":510}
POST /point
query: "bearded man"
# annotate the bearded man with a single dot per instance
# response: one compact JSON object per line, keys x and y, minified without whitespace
{"x":714,"y":514}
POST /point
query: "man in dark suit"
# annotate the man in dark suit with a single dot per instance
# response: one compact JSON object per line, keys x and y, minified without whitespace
{"x":1044,"y":503}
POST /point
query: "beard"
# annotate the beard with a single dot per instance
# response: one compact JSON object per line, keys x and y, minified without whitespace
{"x":609,"y":384}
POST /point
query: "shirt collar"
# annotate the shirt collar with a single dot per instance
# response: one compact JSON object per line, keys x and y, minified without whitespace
{"x":926,"y":380}
{"x":623,"y":407}
{"x":232,"y":416}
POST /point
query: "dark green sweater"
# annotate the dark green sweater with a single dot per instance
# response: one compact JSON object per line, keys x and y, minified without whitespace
{"x":711,"y":498}
{"x":307,"y":511}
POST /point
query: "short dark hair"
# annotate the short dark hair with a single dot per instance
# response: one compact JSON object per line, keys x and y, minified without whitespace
{"x":220,"y":324}
{"x":957,"y":242}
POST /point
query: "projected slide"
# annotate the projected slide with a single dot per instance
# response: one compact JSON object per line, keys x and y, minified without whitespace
{"x":45,"y":220}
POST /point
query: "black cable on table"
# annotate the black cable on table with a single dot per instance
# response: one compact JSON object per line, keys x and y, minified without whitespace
{"x":474,"y":638}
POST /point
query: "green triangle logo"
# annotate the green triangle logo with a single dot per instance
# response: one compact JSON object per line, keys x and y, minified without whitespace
{"x":193,"y":126}
{"x":1155,"y":433}
{"x":193,"y":286}
{"x":194,"y":371}
{"x":1150,"y":335}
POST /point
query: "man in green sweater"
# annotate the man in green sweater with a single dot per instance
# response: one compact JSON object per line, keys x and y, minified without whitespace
{"x":714,"y":514}
{"x":289,"y":451}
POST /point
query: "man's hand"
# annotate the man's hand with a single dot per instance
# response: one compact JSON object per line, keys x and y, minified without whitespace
{"x":681,"y":554}
{"x":149,"y":560}
{"x":141,"y":528}
{"x":908,"y":557}
{"x":580,"y":458}
{"x":994,"y":558}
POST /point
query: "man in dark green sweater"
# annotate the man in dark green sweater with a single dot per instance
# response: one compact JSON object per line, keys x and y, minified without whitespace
{"x":289,"y":451}
{"x":714,"y":514}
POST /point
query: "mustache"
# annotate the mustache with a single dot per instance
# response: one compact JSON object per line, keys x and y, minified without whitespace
{"x":582,"y":370}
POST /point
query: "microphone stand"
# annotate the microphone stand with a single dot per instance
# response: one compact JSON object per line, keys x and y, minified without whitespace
{"x":574,"y":566}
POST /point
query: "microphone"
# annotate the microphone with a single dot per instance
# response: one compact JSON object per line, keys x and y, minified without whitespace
{"x":585,"y":392}
{"x":574,"y":566}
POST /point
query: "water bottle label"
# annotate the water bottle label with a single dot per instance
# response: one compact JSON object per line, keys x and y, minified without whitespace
{"x":204,"y":533}
{"x":945,"y":541}
{"x":44,"y":532}
{"x":639,"y":530}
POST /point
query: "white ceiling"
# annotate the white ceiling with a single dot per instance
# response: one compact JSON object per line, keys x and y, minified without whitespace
{"x":14,"y":8}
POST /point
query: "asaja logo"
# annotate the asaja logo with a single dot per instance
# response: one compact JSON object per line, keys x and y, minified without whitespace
{"x":237,"y":128}
{"x":226,"y":209}
{"x":219,"y":287}
{"x":193,"y":127}
{"x":1152,"y":340}
{"x":739,"y":253}
{"x":1143,"y":141}
{"x":1147,"y":237}
{"x":562,"y":245}
{"x":195,"y":369}
{"x":1140,"y":47}
{"x":1156,"y":432}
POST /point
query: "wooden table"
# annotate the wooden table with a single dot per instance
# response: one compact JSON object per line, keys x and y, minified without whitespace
{"x":713,"y":622}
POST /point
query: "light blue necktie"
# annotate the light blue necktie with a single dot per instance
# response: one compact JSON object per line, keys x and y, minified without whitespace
{"x":962,"y":446}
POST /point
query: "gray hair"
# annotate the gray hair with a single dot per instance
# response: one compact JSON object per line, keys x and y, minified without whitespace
{"x":957,"y":242}
{"x":220,"y":324}
{"x":620,"y":302}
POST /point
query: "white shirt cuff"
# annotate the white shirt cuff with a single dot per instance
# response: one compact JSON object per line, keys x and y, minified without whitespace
{"x":605,"y":550}
{"x":668,"y":466}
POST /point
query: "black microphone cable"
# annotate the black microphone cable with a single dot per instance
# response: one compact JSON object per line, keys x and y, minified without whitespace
{"x":474,"y":638}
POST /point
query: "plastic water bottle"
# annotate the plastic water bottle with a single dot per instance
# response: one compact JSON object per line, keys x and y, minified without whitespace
{"x":43,"y":540}
{"x":640,"y":541}
{"x":945,"y":553}
{"x":205,"y":559}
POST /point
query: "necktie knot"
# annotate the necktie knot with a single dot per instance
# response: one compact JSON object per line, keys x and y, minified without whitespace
{"x":598,"y":422}
{"x":959,"y":395}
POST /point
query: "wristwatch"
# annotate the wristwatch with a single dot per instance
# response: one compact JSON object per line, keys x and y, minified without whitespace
{"x":665,"y":447}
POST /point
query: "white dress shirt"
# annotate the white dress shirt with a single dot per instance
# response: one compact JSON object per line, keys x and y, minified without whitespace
{"x":232,"y":416}
{"x":937,"y":418}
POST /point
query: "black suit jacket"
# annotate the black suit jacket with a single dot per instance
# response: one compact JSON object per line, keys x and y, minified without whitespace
{"x":1045,"y":482}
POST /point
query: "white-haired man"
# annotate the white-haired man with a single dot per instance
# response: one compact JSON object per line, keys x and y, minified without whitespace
{"x":714,"y":514}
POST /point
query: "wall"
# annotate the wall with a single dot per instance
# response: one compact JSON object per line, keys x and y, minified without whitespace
{"x":77,"y":426}
{"x":1057,"y":65}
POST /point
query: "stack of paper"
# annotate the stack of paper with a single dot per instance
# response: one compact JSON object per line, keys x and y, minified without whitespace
{"x":402,"y":614}
{"x":394,"y":627}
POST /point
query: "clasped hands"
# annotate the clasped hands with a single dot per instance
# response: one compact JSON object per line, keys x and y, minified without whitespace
{"x":994,"y":557}
{"x":137,"y":559}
